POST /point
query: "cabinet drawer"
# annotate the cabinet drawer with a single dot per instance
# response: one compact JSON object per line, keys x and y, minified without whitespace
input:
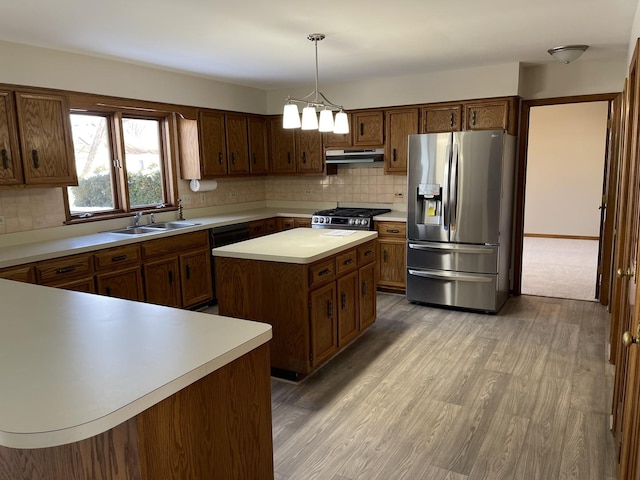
{"x":112,"y":257}
{"x":23,"y":273}
{"x":175,"y":244}
{"x":392,"y":229}
{"x":366,"y":253}
{"x":346,"y":261}
{"x":63,"y":268}
{"x":322,"y":272}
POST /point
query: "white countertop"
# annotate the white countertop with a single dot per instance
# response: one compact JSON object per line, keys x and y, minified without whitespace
{"x":73,"y":365}
{"x":300,"y":245}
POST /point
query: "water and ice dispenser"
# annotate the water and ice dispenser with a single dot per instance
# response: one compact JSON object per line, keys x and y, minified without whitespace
{"x":429,"y":203}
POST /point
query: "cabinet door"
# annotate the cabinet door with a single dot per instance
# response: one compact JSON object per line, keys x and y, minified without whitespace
{"x":213,"y":149}
{"x":22,"y":273}
{"x":283,"y":158}
{"x":324,"y":341}
{"x":195,"y":277}
{"x":161,"y":282}
{"x":85,"y":284}
{"x":302,"y":223}
{"x":258,"y":158}
{"x":286,"y":223}
{"x":237,"y":144}
{"x":339,"y":140}
{"x":368,"y":128}
{"x":271,"y":225}
{"x":486,"y":116}
{"x":10,"y":165}
{"x":442,"y":119}
{"x":257,"y":228}
{"x":367,"y":295}
{"x":44,"y":127}
{"x":392,"y":263}
{"x":348,"y":308}
{"x":125,"y":283}
{"x":400,"y":124}
{"x":309,"y":151}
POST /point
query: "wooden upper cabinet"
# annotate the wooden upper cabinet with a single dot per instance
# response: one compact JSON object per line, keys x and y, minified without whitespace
{"x":497,"y":114}
{"x":442,"y":119}
{"x":44,"y":129}
{"x":213,"y":148}
{"x":368,"y":128}
{"x":10,"y":164}
{"x":400,"y":124}
{"x":258,"y":154}
{"x":339,"y":140}
{"x":237,"y":144}
{"x":283,"y":146}
{"x":309,"y":151}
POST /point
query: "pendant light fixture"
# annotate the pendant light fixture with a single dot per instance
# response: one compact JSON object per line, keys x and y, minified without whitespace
{"x":315,"y":100}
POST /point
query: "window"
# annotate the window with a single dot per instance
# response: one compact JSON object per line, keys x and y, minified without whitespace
{"x":122,"y":164}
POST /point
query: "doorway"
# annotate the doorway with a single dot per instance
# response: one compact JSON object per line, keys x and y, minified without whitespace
{"x":559,"y":196}
{"x":565,"y":166}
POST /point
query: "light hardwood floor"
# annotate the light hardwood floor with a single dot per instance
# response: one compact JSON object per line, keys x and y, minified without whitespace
{"x":434,"y":394}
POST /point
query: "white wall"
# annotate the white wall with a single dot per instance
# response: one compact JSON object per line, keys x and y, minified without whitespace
{"x":482,"y":82}
{"x":577,"y":78}
{"x":565,"y":165}
{"x":635,"y":33}
{"x":41,"y":67}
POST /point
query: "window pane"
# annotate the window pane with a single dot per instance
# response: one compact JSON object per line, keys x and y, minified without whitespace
{"x":144,"y":161}
{"x":93,"y":164}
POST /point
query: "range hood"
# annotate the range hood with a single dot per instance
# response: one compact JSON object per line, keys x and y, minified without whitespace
{"x":354,"y":155}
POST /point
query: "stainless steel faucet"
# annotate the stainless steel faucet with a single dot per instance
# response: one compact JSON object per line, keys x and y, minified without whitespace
{"x":136,"y":220}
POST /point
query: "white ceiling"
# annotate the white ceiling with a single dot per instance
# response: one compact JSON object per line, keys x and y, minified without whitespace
{"x":262,"y":43}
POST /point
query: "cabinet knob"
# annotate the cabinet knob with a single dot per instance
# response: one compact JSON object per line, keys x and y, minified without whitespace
{"x":220,"y":158}
{"x":330,"y":309}
{"x":304,"y":157}
{"x":361,"y":128}
{"x":233,"y":158}
{"x":5,"y":159}
{"x":254,"y":159}
{"x":453,"y":119}
{"x":473,"y":118}
{"x":364,"y":288}
{"x":395,"y":154}
{"x":36,"y":160}
{"x":188,"y":271}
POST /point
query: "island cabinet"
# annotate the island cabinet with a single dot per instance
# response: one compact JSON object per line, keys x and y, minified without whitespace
{"x":119,"y":272}
{"x":294,"y":150}
{"x":315,"y":309}
{"x":21,"y":273}
{"x":36,"y":147}
{"x":392,"y":257}
{"x":177,"y":270}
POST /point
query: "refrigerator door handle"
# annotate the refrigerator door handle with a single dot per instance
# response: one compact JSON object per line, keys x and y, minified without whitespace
{"x":446,"y":210}
{"x":450,"y":276}
{"x":436,"y":247}
{"x":453,"y":206}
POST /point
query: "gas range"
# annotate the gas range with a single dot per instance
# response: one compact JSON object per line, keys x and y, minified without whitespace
{"x":346,"y":218}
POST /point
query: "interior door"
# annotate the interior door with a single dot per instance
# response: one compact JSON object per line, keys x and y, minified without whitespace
{"x":626,"y":411}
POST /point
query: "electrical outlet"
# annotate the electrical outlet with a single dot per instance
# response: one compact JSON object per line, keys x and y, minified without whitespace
{"x":399,"y":195}
{"x":1,"y":220}
{"x":203,"y":197}
{"x":308,"y":192}
{"x":232,"y":194}
{"x":186,"y":200}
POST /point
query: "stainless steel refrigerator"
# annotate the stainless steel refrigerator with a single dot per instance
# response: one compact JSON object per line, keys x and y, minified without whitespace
{"x":460,"y":202}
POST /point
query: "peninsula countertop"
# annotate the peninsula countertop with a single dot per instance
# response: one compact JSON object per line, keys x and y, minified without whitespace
{"x":300,"y":245}
{"x":73,"y":365}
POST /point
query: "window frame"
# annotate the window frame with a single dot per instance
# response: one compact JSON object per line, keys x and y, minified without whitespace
{"x":89,"y":105}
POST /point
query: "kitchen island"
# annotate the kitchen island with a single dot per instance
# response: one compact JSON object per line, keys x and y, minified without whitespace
{"x":316,"y":287}
{"x":101,"y":388}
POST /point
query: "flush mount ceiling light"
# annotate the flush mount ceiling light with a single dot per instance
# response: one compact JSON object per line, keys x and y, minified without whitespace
{"x":315,"y":100}
{"x":567,"y":53}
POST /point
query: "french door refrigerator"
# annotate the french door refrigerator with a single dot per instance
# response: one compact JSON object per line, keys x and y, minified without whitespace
{"x":460,"y":202}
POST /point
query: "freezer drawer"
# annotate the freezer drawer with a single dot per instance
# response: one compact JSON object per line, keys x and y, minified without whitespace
{"x":453,"y":289}
{"x":455,"y":257}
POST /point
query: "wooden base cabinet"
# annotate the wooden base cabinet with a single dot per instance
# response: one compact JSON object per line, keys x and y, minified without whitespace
{"x":315,"y":310}
{"x":119,"y":272}
{"x":392,"y":256}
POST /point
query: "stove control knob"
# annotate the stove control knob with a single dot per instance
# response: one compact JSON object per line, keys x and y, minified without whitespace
{"x":327,"y":220}
{"x":365,"y":221}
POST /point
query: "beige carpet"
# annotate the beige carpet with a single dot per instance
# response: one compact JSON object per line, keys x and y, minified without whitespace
{"x":561,"y":268}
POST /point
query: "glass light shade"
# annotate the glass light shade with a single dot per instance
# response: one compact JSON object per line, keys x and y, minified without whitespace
{"x":567,"y":53}
{"x":309,"y":118}
{"x":341,"y":123}
{"x":326,"y":121}
{"x":290,"y":116}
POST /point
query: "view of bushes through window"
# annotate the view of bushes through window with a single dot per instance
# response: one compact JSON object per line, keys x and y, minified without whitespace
{"x":97,"y":164}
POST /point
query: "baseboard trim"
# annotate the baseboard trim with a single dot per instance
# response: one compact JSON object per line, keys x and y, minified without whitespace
{"x":567,"y":237}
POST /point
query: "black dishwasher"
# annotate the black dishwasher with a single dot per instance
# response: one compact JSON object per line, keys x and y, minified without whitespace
{"x":226,"y":235}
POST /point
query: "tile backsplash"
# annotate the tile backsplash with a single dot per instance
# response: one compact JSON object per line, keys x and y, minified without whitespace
{"x":33,"y":209}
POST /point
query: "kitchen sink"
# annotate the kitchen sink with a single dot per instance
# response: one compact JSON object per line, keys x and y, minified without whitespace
{"x":134,"y":231}
{"x":171,"y":225}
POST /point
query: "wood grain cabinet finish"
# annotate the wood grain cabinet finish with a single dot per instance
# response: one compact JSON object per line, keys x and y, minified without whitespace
{"x":36,"y":147}
{"x":339,"y":140}
{"x":237,"y":144}
{"x":399,"y":124}
{"x":439,"y":119}
{"x":302,"y":222}
{"x":368,"y":128}
{"x":315,"y":310}
{"x":271,"y":225}
{"x":392,"y":259}
{"x":486,"y":116}
{"x":177,"y":270}
{"x":286,"y":223}
{"x":64,"y":269}
{"x":295,"y":151}
{"x":21,"y":273}
{"x":119,"y":272}
{"x":258,"y":145}
{"x":257,"y":228}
